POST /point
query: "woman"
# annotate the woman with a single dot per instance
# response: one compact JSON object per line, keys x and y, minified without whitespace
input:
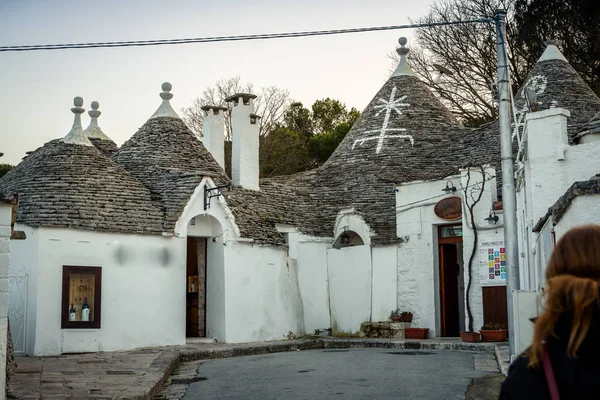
{"x":568,"y":330}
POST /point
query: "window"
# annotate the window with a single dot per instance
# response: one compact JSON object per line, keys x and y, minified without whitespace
{"x":81,"y":297}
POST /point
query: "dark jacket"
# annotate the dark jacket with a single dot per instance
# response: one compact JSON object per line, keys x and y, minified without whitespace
{"x":576,"y":378}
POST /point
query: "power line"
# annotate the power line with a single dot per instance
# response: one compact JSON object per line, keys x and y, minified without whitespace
{"x":263,"y":36}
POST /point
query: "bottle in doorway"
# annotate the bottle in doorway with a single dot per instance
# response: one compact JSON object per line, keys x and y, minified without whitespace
{"x":72,"y":313}
{"x":85,"y":310}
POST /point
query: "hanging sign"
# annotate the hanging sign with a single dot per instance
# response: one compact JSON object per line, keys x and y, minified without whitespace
{"x":449,"y":208}
{"x":492,"y":261}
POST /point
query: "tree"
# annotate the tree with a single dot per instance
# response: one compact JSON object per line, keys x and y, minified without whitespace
{"x":270,"y":103}
{"x":4,"y":168}
{"x":573,"y":24}
{"x":469,"y":50}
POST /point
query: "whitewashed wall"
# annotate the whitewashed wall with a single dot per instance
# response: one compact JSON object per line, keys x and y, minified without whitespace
{"x":418,"y":264}
{"x":262,"y":295}
{"x":5,"y":219}
{"x":550,"y":168}
{"x":349,"y":288}
{"x":24,"y":259}
{"x":311,"y":255}
{"x":215,"y":290}
{"x":384,"y":293}
{"x":584,"y":210}
{"x":143,"y":298}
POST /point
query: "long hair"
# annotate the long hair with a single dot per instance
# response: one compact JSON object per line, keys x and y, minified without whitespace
{"x":573,"y":282}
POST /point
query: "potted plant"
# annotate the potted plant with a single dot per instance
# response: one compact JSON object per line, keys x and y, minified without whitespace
{"x":395,"y":317}
{"x":416,"y":333}
{"x":406,"y":316}
{"x":470,"y":337}
{"x":494,"y":332}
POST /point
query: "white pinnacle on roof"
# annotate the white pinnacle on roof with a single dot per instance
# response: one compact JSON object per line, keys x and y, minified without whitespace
{"x":165,"y":109}
{"x":552,"y":52}
{"x":403,"y":67}
{"x":93,"y":131}
{"x":75,"y":135}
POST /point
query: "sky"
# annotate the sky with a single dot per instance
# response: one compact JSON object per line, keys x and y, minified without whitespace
{"x":38,"y":86}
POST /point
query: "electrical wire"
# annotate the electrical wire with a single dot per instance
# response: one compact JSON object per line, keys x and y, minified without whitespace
{"x":263,"y":36}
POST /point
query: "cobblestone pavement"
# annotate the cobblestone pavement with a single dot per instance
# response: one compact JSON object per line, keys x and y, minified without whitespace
{"x":140,"y":374}
{"x":115,"y":375}
{"x":177,"y":384}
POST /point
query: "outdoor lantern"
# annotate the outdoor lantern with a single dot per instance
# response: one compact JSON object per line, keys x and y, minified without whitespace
{"x":449,"y":187}
{"x":492,"y":218}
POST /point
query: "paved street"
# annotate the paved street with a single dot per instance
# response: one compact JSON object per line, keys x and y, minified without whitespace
{"x":341,"y":373}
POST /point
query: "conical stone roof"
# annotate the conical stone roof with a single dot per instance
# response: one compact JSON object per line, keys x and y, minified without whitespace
{"x":556,"y":84}
{"x":68,"y":183}
{"x":95,"y":134}
{"x":169,"y":160}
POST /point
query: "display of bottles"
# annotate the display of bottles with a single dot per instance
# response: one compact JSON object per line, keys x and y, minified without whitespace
{"x":85,"y":310}
{"x":72,"y":313}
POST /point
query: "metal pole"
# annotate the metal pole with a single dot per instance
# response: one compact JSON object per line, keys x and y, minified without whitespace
{"x":509,"y":198}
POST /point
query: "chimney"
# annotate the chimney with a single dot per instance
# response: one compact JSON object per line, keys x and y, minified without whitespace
{"x":213,"y":132}
{"x":244,"y":127}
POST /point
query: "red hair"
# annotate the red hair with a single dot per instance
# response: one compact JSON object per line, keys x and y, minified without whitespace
{"x":573,"y":282}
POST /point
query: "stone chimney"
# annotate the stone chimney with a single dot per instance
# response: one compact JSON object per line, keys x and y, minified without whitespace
{"x":213,"y":132}
{"x":244,"y":127}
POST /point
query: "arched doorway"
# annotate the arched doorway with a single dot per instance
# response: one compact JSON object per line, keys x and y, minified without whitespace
{"x":205,"y":300}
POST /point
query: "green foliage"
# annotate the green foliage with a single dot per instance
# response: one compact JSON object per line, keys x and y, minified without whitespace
{"x":573,"y":24}
{"x":4,"y":168}
{"x":306,"y":138}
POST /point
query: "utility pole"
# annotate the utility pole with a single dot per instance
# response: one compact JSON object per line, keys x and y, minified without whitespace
{"x":509,"y":197}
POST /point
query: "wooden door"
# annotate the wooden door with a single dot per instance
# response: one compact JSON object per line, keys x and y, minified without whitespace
{"x":449,"y":293}
{"x":494,"y":305}
{"x":191,"y":319}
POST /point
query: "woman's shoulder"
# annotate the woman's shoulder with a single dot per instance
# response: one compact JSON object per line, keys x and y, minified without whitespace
{"x":523,"y":381}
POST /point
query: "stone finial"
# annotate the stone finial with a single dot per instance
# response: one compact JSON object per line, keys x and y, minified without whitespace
{"x":403,"y":67}
{"x":75,"y":135}
{"x":93,"y":131}
{"x":165,"y":109}
{"x":552,"y":52}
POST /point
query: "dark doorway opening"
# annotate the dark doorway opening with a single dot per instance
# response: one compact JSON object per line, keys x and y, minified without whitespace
{"x":195,"y":321}
{"x":450,"y":255}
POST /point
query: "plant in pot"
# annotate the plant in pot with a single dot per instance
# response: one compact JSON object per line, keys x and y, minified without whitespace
{"x":416,"y":333}
{"x":406,"y":316}
{"x":494,"y":332}
{"x":395,"y":317}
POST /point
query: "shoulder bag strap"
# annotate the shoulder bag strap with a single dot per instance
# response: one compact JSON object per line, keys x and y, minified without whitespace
{"x":550,"y":379}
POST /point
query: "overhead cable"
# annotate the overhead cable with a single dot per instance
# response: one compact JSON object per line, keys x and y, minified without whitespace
{"x":159,"y":42}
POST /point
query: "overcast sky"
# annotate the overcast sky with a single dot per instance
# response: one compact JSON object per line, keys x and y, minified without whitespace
{"x":38,"y":86}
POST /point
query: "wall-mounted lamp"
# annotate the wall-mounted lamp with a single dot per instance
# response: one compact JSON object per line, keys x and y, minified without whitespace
{"x":492,"y":218}
{"x":193,"y":221}
{"x":213,"y":192}
{"x":449,"y":187}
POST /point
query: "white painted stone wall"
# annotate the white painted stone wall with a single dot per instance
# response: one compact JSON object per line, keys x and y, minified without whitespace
{"x":311,"y":255}
{"x":143,"y":297}
{"x":5,"y":220}
{"x":418,"y":264}
{"x":24,"y":259}
{"x":262,"y":295}
{"x":584,"y":210}
{"x":349,"y":288}
{"x":245,"y":143}
{"x":550,"y":168}
{"x":384,"y":295}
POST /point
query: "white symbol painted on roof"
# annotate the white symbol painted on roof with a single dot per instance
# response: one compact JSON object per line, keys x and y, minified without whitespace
{"x":390,"y":105}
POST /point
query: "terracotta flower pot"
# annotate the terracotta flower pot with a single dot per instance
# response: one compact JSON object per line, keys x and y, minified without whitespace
{"x":496,"y":335}
{"x":396,"y":319}
{"x":470,"y":337}
{"x":416,"y":333}
{"x":407,"y":317}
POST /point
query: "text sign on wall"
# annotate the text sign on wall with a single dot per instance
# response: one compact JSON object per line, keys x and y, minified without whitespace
{"x":492,"y":261}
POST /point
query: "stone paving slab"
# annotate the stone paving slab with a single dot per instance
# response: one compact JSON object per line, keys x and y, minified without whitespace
{"x":140,"y":374}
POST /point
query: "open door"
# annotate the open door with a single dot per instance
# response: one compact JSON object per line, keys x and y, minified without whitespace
{"x":449,"y":240}
{"x":195,"y":321}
